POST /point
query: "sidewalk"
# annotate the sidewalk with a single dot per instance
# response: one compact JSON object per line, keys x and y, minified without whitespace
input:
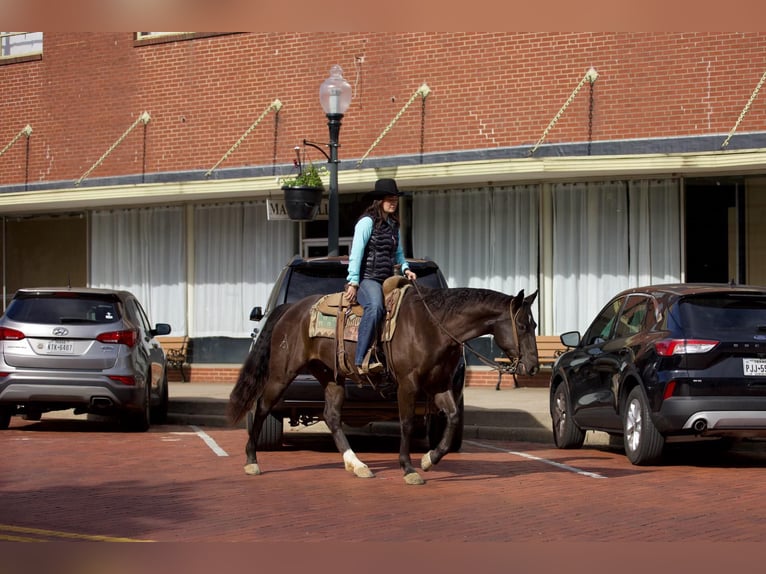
{"x":519,"y":414}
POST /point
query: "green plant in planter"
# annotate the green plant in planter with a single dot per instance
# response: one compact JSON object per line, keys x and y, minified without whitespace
{"x":309,"y":175}
{"x":303,"y":192}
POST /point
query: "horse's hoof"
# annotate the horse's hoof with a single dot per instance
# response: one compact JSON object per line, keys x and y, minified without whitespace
{"x":413,"y":478}
{"x":364,"y":472}
{"x":252,"y":469}
{"x":425,"y":462}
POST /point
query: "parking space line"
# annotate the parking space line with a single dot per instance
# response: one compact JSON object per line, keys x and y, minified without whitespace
{"x":539,"y":459}
{"x":209,"y":441}
{"x":43,"y":535}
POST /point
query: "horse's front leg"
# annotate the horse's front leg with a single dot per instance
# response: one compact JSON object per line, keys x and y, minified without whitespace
{"x":407,"y":421}
{"x":334,"y":394}
{"x":444,"y":401}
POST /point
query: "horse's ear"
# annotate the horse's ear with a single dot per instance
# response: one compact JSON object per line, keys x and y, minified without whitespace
{"x":518,"y":300}
{"x":529,"y":300}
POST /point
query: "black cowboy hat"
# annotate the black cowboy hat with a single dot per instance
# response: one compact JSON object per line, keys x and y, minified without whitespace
{"x":384,"y":188}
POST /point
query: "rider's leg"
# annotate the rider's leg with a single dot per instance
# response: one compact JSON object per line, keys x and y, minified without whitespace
{"x":370,"y":297}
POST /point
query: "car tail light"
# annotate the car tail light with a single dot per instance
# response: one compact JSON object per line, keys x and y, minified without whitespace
{"x":125,"y":380}
{"x":128,"y":337}
{"x":670,"y":347}
{"x":670,"y":388}
{"x":7,"y":334}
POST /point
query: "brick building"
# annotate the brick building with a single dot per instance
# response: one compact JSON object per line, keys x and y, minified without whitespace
{"x":573,"y":163}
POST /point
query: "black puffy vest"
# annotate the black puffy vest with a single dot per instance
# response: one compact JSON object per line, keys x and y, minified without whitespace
{"x":380,"y":252}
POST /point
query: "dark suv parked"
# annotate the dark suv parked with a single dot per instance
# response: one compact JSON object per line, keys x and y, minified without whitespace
{"x":303,"y":400}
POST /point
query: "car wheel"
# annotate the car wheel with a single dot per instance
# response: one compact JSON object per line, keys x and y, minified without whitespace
{"x":160,"y":412}
{"x":140,"y":422}
{"x":643,"y":442}
{"x":5,"y":420}
{"x":566,"y":434}
{"x":436,"y":423}
{"x":271,"y":431}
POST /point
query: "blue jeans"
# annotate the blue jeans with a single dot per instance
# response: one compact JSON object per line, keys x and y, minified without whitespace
{"x":370,"y":297}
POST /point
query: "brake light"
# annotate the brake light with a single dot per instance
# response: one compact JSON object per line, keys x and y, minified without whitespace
{"x":7,"y":334}
{"x":670,"y":388}
{"x":129,"y":337}
{"x":125,"y":380}
{"x":670,"y":347}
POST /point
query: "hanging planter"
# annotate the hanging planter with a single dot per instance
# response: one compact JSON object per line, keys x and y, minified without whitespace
{"x":303,"y":193}
{"x":302,"y":202}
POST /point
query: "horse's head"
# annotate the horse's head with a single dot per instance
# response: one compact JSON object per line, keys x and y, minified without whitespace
{"x":516,"y":335}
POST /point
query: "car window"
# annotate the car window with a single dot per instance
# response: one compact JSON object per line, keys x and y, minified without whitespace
{"x":633,"y":316}
{"x":139,"y":312}
{"x":62,"y":310}
{"x":601,"y":328}
{"x":719,"y":315}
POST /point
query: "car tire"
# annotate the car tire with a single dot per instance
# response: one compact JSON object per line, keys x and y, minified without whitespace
{"x":141,"y":421}
{"x":643,"y":442}
{"x":272,"y":431}
{"x":436,"y":423}
{"x":5,"y":420}
{"x":566,"y":433}
{"x":160,"y":412}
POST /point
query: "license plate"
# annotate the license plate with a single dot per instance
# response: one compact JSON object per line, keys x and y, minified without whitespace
{"x":754,"y":367}
{"x":59,"y":348}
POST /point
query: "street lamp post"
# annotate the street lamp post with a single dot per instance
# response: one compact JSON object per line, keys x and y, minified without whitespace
{"x":335,"y":97}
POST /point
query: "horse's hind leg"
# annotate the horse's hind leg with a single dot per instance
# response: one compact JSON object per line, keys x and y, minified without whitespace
{"x":273,"y":390}
{"x":444,"y":401}
{"x":333,"y":405}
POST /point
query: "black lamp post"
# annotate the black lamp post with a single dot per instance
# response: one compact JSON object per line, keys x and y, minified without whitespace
{"x":335,"y":97}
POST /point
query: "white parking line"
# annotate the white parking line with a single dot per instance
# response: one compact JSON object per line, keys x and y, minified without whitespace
{"x":538,"y":459}
{"x":209,"y":441}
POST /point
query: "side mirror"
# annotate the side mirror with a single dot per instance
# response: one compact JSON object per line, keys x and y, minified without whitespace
{"x":570,"y":338}
{"x":161,"y":329}
{"x":256,"y":314}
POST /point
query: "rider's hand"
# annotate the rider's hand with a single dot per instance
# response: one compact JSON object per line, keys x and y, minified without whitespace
{"x":351,"y":293}
{"x":411,"y":275}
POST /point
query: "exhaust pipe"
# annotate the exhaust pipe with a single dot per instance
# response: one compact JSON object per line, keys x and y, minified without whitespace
{"x":700,"y":425}
{"x":101,"y":402}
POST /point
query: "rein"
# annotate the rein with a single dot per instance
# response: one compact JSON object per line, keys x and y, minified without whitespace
{"x":484,"y":359}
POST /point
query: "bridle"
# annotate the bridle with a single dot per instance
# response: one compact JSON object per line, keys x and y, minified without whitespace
{"x":514,"y":361}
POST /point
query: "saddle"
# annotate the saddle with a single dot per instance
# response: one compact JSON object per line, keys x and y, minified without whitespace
{"x":332,"y":317}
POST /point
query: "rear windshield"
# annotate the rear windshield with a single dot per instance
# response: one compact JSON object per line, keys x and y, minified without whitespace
{"x":721,"y":315}
{"x":62,"y":310}
{"x":322,"y":279}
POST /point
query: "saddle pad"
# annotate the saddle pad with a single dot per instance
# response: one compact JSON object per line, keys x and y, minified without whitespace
{"x":324,"y":324}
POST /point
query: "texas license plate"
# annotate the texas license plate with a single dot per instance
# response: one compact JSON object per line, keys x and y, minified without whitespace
{"x":59,"y":348}
{"x":754,"y":367}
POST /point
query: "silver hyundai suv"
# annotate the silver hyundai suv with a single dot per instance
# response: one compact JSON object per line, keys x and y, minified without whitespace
{"x":91,"y":350}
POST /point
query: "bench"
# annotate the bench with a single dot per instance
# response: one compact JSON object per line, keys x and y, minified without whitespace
{"x":175,"y":352}
{"x":549,"y":347}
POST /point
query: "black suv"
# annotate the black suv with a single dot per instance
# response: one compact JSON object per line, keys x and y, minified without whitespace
{"x":303,"y":401}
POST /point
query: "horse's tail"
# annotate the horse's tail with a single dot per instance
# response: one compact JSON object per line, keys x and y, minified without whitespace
{"x":255,"y":370}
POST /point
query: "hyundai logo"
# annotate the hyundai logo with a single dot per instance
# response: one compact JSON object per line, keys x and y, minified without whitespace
{"x":60,"y":331}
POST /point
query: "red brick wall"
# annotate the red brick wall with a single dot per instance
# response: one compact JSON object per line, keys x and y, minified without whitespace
{"x":488,"y":90}
{"x":480,"y":377}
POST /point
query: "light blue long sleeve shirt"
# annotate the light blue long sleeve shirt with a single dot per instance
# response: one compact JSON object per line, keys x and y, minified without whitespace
{"x":362,"y":234}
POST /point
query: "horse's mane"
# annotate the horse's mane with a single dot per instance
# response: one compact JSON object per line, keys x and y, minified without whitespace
{"x":449,"y":300}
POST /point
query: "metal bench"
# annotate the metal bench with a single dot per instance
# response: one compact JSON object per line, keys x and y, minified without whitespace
{"x":175,"y":352}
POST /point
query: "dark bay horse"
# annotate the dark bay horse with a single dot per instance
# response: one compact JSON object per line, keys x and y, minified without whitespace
{"x":423,"y":354}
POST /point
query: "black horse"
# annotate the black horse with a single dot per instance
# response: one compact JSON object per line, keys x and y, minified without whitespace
{"x":423,"y":354}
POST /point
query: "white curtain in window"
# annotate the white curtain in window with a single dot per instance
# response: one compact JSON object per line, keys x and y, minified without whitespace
{"x":481,"y":237}
{"x":237,"y":256}
{"x":143,"y":251}
{"x":655,"y":232}
{"x":590,"y":250}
